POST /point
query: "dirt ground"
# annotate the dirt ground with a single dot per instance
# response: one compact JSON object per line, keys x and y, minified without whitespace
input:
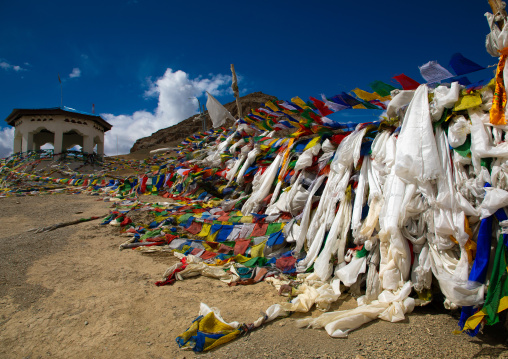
{"x":71,"y":293}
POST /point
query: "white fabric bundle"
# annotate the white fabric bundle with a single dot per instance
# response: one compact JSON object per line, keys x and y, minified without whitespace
{"x":305,"y":221}
{"x":458,"y":131}
{"x":266,"y":180}
{"x":417,"y":158}
{"x":305,"y":159}
{"x":335,"y":242}
{"x":251,"y":157}
{"x":444,"y":97}
{"x":399,"y":101}
{"x":389,"y":306}
{"x":361,"y":191}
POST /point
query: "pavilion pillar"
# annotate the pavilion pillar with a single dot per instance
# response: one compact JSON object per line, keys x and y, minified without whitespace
{"x":100,"y":148}
{"x":27,"y":142}
{"x":17,"y":142}
{"x":88,"y":144}
{"x":58,"y":141}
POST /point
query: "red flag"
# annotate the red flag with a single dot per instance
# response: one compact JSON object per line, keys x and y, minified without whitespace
{"x":407,"y":82}
{"x":322,"y":108}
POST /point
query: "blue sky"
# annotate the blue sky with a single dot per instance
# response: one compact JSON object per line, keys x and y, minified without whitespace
{"x":139,"y":61}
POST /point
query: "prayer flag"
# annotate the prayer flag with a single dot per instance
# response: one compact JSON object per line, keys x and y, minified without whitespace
{"x":348,"y":99}
{"x":406,"y":82}
{"x":332,"y":105}
{"x":462,"y":65}
{"x":298,"y":101}
{"x":381,"y":88}
{"x":433,"y":72}
{"x":323,"y":110}
{"x":366,"y":96}
{"x":217,"y":112}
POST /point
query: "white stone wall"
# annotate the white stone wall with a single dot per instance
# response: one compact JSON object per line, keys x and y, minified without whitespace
{"x":67,"y":131}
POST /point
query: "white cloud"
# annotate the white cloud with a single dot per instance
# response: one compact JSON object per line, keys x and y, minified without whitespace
{"x":175,"y":91}
{"x":6,"y":141}
{"x":76,"y":72}
{"x":6,"y":66}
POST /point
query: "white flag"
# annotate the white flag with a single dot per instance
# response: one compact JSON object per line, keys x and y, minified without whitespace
{"x":433,"y":72}
{"x":217,"y":112}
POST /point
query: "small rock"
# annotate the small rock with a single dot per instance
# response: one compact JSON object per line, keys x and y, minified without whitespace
{"x":86,"y":322}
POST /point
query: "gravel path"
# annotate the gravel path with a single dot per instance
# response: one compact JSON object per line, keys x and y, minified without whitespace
{"x":71,"y":293}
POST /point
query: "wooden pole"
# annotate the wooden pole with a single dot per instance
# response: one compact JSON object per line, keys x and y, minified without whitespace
{"x":234,"y":86}
{"x":498,"y":6}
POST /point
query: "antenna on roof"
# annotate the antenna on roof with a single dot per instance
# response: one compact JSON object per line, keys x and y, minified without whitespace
{"x":93,"y":108}
{"x":61,"y":91}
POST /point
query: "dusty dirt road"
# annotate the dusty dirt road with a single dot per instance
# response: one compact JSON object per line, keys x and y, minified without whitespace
{"x":71,"y":293}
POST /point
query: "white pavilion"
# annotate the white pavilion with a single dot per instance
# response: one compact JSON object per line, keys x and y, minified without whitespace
{"x":61,"y":126}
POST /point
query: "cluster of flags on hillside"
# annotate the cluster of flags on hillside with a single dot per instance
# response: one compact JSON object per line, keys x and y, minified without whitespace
{"x":310,"y":116}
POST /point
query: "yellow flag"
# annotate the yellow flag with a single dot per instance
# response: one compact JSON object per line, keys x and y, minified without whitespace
{"x":205,"y":230}
{"x":257,"y":250}
{"x":312,"y":143}
{"x":298,"y":101}
{"x":468,"y":101}
{"x":366,"y":96}
{"x":271,"y":106}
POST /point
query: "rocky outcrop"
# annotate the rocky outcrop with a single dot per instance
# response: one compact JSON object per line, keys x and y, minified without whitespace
{"x":173,"y":135}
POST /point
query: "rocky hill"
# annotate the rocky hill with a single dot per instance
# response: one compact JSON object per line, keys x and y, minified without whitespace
{"x":173,"y":135}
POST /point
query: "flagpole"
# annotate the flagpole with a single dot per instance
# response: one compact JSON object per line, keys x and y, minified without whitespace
{"x":61,"y":91}
{"x":234,"y":86}
{"x":497,"y":6}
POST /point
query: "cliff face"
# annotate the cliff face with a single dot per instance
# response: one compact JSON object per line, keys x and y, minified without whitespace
{"x":173,"y":135}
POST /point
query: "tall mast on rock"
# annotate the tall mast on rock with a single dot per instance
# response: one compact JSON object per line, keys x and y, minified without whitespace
{"x":234,"y":86}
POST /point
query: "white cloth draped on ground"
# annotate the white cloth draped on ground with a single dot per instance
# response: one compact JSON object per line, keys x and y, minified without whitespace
{"x":389,"y":306}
